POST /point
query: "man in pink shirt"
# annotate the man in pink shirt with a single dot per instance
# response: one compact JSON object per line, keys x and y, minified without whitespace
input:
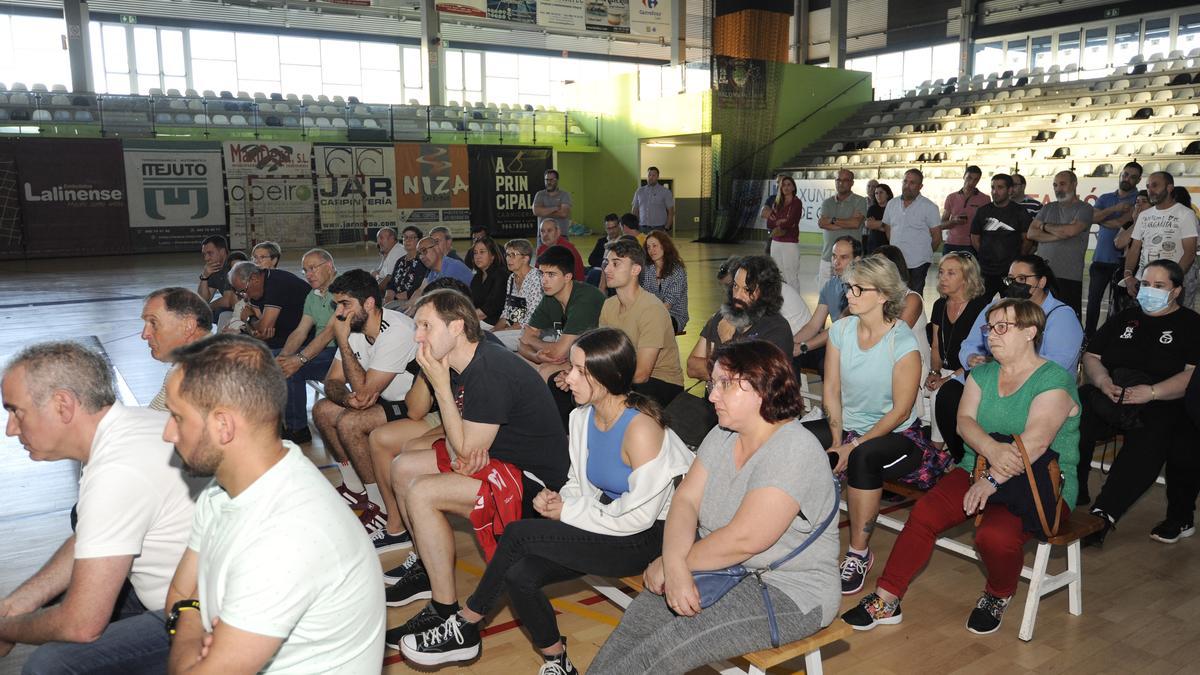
{"x":959,"y":211}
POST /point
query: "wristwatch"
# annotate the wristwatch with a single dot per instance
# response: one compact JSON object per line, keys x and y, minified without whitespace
{"x":303,"y":358}
{"x":987,"y":475}
{"x":203,"y":278}
{"x":803,"y":347}
{"x":177,"y":609}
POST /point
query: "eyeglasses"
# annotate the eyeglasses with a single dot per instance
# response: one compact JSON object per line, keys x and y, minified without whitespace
{"x":999,"y":328}
{"x":724,"y":383}
{"x":857,"y":290}
{"x":1017,"y":278}
{"x":314,"y":268}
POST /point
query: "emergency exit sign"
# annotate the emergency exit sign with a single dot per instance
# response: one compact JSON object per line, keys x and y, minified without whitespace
{"x":128,"y":18}
{"x":1112,"y":12}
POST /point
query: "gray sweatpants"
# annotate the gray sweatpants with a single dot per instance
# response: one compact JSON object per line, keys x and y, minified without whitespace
{"x":651,"y":638}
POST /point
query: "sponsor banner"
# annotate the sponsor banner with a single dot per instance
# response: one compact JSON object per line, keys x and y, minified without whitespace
{"x":650,"y":17}
{"x":429,"y":175}
{"x":607,"y":16}
{"x":477,"y":8}
{"x":73,"y":197}
{"x":356,"y":186}
{"x":176,"y":196}
{"x":506,"y":179}
{"x":271,"y":208}
{"x":566,"y":14}
{"x":252,"y":158}
{"x":516,"y":11}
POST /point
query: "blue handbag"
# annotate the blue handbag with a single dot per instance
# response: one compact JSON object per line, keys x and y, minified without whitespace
{"x":713,"y":585}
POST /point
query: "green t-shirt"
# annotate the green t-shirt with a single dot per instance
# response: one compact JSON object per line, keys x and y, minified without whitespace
{"x":581,"y":314}
{"x":832,"y":208}
{"x":320,"y":309}
{"x":1008,"y":415}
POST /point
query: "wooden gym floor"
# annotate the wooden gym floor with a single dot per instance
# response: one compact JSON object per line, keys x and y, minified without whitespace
{"x":1137,"y":593}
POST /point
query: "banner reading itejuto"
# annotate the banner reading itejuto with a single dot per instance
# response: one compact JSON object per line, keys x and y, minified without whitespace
{"x":72,"y":196}
{"x":503,"y":183}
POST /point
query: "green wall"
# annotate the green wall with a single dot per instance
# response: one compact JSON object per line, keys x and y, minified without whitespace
{"x":604,"y":181}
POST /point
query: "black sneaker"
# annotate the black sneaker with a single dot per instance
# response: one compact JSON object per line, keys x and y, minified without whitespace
{"x":453,"y":640}
{"x":854,"y":571}
{"x":420,"y":622}
{"x":872,"y":611}
{"x":558,"y":665}
{"x":1097,"y":538}
{"x":1170,"y":531}
{"x":988,"y":614}
{"x":412,"y":586}
{"x":298,"y":436}
{"x":397,"y":573}
{"x":385,"y":541}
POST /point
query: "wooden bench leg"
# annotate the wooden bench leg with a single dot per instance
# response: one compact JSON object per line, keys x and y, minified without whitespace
{"x":1034,"y":596}
{"x":812,"y":662}
{"x":1075,"y":588}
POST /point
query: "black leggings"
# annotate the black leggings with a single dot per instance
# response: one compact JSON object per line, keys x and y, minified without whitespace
{"x":534,"y":553}
{"x":946,"y":411}
{"x":874,"y":461}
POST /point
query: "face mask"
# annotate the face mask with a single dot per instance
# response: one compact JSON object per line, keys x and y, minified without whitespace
{"x":1018,"y":290}
{"x":1153,"y":299}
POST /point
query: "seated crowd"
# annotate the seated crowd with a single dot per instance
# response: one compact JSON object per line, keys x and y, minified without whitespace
{"x":544,"y":401}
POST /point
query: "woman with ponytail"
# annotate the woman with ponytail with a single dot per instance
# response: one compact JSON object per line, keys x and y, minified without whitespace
{"x":608,"y":517}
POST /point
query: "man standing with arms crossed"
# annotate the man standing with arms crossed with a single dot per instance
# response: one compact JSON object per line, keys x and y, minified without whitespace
{"x":1113,"y":211}
{"x":842,"y":213}
{"x":913,"y":225}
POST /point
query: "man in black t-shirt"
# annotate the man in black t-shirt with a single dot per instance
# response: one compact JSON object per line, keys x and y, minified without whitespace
{"x":751,"y":312}
{"x":277,"y":296}
{"x":998,"y":234}
{"x":214,"y":280}
{"x":493,"y":407}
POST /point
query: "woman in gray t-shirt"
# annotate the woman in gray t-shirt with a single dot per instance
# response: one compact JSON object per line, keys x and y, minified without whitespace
{"x":760,"y":484}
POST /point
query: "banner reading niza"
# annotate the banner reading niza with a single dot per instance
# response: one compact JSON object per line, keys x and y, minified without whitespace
{"x":356,"y":186}
{"x":506,"y":179}
{"x":433,"y":186}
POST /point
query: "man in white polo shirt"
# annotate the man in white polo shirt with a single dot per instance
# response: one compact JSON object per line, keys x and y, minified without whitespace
{"x":277,"y":576}
{"x":133,"y":517}
{"x":913,"y":225}
{"x":366,"y":384}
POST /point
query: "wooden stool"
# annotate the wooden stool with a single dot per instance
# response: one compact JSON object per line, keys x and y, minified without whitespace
{"x":760,"y":661}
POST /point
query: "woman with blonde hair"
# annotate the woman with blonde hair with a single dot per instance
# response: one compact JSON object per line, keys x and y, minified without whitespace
{"x":960,"y":284}
{"x":871,"y":430}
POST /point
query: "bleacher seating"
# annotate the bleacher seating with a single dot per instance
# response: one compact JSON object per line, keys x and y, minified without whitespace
{"x":1005,"y":117}
{"x":322,"y":116}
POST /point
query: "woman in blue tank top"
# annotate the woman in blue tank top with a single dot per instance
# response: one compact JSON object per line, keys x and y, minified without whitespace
{"x":607,"y":519}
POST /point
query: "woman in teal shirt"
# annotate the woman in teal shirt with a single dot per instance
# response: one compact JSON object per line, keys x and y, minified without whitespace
{"x":870,"y":430}
{"x":997,"y":399}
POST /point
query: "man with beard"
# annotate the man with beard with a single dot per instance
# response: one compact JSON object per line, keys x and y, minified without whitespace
{"x":1165,"y":230}
{"x":750,"y":312}
{"x":808,"y":350}
{"x":1112,"y":212}
{"x":366,"y":384}
{"x":130,"y":524}
{"x":998,"y":234}
{"x":173,"y":317}
{"x":276,"y":577}
{"x":913,"y":225}
{"x":1061,"y":229}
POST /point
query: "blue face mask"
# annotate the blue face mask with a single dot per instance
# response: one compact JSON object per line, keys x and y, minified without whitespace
{"x":1153,"y":299}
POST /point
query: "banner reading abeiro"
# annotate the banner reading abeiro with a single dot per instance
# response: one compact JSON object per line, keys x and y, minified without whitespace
{"x":505,"y":181}
{"x":271,"y":190}
{"x":175,"y":194}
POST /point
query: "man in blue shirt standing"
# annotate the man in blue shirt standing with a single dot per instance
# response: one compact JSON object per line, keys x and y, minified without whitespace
{"x":1113,"y":211}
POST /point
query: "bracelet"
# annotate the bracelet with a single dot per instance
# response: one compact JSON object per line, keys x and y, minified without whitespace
{"x":987,"y":475}
{"x":1153,"y":396}
{"x":204,"y":278}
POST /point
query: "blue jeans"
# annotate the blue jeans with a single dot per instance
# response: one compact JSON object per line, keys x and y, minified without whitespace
{"x":134,"y":643}
{"x":295,"y":415}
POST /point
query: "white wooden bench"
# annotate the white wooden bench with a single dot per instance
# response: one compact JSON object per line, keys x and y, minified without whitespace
{"x":758,"y":662}
{"x":1041,"y":584}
